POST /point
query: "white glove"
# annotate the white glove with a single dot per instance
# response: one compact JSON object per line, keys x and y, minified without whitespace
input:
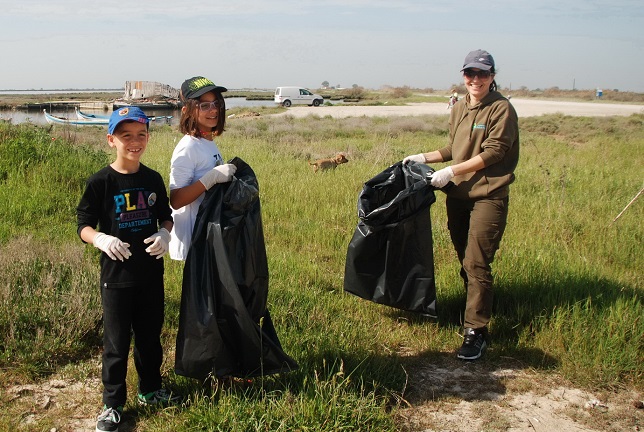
{"x":113,"y":247}
{"x":219,"y":174}
{"x":418,"y":158}
{"x":441,"y":177}
{"x":159,"y":246}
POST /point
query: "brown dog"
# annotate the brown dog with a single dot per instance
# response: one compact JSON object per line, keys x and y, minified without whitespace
{"x":329,"y":163}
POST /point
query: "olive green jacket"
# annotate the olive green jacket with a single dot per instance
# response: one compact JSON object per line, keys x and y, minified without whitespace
{"x":489,"y":129}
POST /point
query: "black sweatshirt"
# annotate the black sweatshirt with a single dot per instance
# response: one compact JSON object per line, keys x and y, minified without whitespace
{"x":130,"y":207}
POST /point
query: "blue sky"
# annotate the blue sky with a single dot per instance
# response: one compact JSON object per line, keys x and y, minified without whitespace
{"x":371,"y":43}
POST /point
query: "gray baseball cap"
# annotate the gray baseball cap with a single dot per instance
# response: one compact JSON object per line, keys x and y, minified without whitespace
{"x":479,"y":59}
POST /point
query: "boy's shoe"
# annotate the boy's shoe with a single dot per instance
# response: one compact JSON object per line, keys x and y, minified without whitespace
{"x":109,"y":419}
{"x":474,"y":344}
{"x":161,"y":396}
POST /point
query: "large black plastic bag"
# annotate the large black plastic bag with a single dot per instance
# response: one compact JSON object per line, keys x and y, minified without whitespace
{"x":390,"y":259}
{"x":225,"y":288}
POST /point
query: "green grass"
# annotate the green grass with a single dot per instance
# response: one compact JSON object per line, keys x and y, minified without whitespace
{"x":38,"y":173}
{"x":568,"y":281}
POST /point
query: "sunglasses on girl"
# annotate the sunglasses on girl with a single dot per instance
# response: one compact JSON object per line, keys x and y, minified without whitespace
{"x":207,"y":106}
{"x":482,"y":74}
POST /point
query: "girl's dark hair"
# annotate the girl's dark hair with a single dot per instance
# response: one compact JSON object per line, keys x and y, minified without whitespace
{"x":188,"y":123}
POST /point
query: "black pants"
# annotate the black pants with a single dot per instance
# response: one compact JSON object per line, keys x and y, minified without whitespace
{"x":137,"y":310}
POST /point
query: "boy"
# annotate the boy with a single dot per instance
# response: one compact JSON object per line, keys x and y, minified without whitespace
{"x":129,"y":204}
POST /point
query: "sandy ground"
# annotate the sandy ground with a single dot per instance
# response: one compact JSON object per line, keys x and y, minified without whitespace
{"x":452,"y":396}
{"x":457,"y":396}
{"x":524,"y":107}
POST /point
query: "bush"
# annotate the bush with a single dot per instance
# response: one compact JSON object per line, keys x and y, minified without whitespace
{"x":29,"y":158}
{"x":402,"y":92}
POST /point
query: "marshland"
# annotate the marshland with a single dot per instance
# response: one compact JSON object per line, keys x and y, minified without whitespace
{"x":568,"y":303}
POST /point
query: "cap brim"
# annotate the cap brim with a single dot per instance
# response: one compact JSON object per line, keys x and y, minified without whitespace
{"x":207,"y":89}
{"x":477,"y":65}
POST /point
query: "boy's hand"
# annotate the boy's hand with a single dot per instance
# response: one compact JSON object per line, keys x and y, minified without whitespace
{"x":113,"y":247}
{"x":159,"y":246}
{"x":219,"y":174}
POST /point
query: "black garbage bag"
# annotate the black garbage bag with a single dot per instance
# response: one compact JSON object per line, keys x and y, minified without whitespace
{"x":390,"y":259}
{"x":225,"y":328}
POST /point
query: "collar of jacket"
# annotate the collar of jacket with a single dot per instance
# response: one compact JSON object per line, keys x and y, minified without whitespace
{"x":488,"y":99}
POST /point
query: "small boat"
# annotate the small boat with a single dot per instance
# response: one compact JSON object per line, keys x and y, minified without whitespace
{"x":157,"y":118}
{"x":52,"y":119}
{"x":169,"y":104}
{"x":84,"y":116}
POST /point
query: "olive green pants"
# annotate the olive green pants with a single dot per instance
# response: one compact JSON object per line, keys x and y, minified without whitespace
{"x":476,"y":228}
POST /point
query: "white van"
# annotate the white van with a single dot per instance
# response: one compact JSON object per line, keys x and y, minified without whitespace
{"x":287,"y":96}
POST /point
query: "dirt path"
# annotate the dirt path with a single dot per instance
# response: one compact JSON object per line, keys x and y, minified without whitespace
{"x":461,"y":396}
{"x":449,"y":397}
{"x":524,"y":107}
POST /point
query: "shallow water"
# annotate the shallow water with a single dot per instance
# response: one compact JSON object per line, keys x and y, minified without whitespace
{"x":37,"y":117}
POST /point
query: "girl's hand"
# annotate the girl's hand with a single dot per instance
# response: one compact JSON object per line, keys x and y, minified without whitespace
{"x":219,"y":174}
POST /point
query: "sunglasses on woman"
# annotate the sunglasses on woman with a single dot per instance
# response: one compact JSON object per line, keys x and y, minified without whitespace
{"x":482,"y":74}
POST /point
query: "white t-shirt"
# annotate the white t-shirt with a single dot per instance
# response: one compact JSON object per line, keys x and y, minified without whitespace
{"x":192,"y":158}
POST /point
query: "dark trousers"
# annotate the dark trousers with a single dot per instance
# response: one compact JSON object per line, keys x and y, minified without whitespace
{"x":476,"y":228}
{"x":136,"y":310}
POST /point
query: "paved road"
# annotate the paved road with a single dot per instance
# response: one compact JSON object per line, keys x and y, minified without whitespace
{"x":524,"y":107}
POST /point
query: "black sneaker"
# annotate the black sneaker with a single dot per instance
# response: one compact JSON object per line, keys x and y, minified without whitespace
{"x":109,"y":419}
{"x":474,"y":344}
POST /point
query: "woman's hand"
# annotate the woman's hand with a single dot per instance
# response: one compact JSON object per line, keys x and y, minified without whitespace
{"x":418,"y":158}
{"x":441,"y":177}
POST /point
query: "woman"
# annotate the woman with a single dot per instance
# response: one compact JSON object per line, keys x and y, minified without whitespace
{"x":484,"y":150}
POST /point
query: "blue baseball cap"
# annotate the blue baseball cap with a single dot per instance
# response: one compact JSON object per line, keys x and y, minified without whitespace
{"x":126,"y":114}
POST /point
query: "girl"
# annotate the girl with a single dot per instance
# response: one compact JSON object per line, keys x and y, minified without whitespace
{"x":197,"y":164}
{"x":484,"y":147}
{"x":204,"y":349}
